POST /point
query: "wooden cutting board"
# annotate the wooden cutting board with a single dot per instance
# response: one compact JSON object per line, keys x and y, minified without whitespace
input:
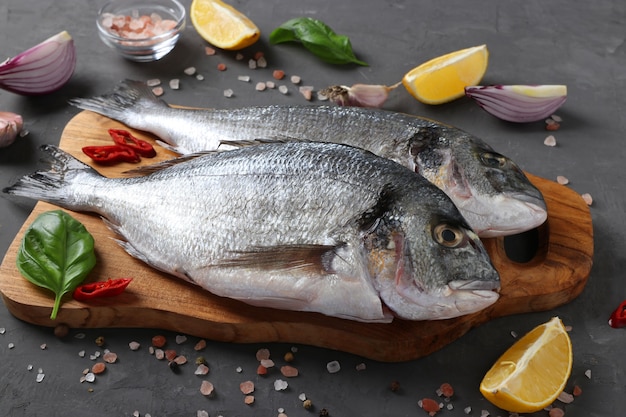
{"x":554,"y":276}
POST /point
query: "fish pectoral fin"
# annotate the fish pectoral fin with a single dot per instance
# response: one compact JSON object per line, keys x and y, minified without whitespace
{"x":314,"y":257}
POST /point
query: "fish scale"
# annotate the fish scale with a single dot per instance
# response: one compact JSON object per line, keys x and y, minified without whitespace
{"x":313,"y":226}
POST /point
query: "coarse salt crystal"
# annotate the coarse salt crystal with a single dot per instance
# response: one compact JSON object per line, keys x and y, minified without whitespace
{"x":333,"y":367}
{"x":306,"y":91}
{"x":268,"y":363}
{"x":90,"y":377}
{"x":200,"y":345}
{"x":174,"y":83}
{"x":587,"y":198}
{"x":153,"y":82}
{"x":180,"y":339}
{"x":484,"y":413}
{"x":209,"y":51}
{"x":565,"y":397}
{"x":556,"y":118}
{"x":260,"y":86}
{"x":201,"y":370}
{"x":159,"y":354}
{"x":3,"y":330}
{"x":248,"y":399}
{"x":246,"y":387}
{"x":467,"y":410}
{"x":289,"y":371}
{"x":29,"y":367}
{"x":228,"y":92}
{"x":239,"y":369}
{"x":202,"y":413}
{"x":361,"y":367}
{"x":261,"y":62}
{"x":270,"y":84}
{"x":562,"y":180}
{"x":280,"y":385}
{"x":588,"y":373}
{"x":513,"y":334}
{"x":158,"y":91}
{"x":40,"y":377}
{"x":244,"y":78}
{"x":43,"y":346}
{"x":134,"y":345}
{"x":262,"y":354}
{"x":302,"y":397}
{"x":252,"y":64}
{"x":550,"y":140}
{"x":283,"y":89}
{"x":296,"y":79}
{"x":110,"y":357}
{"x":199,"y":77}
{"x":206,"y":388}
{"x":79,"y":336}
{"x":190,"y":70}
{"x":81,"y":353}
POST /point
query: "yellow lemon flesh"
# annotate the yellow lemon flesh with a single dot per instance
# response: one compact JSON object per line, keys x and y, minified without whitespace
{"x":532,"y":373}
{"x":444,"y":78}
{"x":222,"y":25}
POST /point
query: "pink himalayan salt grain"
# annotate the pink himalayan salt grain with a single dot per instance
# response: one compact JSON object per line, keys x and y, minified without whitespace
{"x":577,"y":391}
{"x":289,"y":371}
{"x":307,"y":92}
{"x":206,"y":388}
{"x":137,"y":28}
{"x":110,"y":357}
{"x":446,"y":390}
{"x":158,"y":91}
{"x":180,"y":360}
{"x":587,"y":198}
{"x":430,"y":406}
{"x":201,"y":370}
{"x":262,"y":354}
{"x":565,"y":397}
{"x":562,"y":180}
{"x":249,"y":399}
{"x":209,"y":51}
{"x":550,"y":141}
{"x":556,"y":412}
{"x":246,"y":387}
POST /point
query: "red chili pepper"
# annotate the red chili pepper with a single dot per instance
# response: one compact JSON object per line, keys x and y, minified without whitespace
{"x":111,"y":154}
{"x":618,"y":318}
{"x":108,"y":288}
{"x":125,"y":138}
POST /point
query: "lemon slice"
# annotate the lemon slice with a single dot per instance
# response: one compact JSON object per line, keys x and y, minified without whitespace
{"x":222,"y":25}
{"x":532,"y":373}
{"x":444,"y":78}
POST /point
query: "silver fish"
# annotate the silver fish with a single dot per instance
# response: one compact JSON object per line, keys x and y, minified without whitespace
{"x":489,"y":189}
{"x":310,"y":227}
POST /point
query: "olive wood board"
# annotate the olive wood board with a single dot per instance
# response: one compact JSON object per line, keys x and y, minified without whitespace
{"x":556,"y":274}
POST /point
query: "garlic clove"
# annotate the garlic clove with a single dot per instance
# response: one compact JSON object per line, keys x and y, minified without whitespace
{"x":359,"y":95}
{"x":10,"y":125}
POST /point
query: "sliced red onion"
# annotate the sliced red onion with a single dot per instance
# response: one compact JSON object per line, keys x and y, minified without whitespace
{"x":519,"y":103}
{"x":42,"y":69}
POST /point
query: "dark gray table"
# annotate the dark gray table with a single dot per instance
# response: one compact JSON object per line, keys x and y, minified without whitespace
{"x":577,"y":43}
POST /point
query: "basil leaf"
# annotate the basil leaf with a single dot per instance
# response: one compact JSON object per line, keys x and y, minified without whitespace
{"x":56,"y":253}
{"x":318,"y":38}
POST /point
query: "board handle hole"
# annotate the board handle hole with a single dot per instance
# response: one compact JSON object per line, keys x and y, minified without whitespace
{"x":527,"y":246}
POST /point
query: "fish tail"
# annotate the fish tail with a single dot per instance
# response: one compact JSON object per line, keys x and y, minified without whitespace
{"x":129,"y":97}
{"x":54,"y":185}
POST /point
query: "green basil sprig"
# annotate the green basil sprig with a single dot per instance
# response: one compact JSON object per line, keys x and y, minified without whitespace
{"x":318,"y":38}
{"x":56,"y":253}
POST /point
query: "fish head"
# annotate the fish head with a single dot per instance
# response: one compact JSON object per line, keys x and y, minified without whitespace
{"x":490,"y":190}
{"x":427,"y":265}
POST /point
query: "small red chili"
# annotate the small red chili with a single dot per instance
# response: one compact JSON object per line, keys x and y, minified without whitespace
{"x":618,"y":317}
{"x":111,"y":154}
{"x":125,"y":138}
{"x":108,"y":288}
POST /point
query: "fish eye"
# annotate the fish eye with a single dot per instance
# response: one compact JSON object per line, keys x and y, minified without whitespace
{"x":448,"y":236}
{"x":493,"y":160}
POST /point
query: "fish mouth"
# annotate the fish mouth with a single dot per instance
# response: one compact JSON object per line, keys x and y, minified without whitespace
{"x":474,"y":285}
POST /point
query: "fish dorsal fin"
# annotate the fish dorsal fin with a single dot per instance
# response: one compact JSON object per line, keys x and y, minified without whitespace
{"x":317,"y":258}
{"x":149,"y":169}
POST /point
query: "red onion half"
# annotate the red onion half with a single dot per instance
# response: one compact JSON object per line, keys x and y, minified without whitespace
{"x":42,"y":69}
{"x":519,"y":103}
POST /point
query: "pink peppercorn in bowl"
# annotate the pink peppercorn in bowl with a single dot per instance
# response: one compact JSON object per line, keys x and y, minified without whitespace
{"x":141,"y":30}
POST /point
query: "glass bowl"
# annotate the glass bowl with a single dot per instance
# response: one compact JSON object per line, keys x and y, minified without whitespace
{"x":141,"y":30}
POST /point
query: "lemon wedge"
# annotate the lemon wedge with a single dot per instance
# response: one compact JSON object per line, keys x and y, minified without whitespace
{"x":222,"y":25}
{"x":532,"y":373}
{"x":444,"y":78}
